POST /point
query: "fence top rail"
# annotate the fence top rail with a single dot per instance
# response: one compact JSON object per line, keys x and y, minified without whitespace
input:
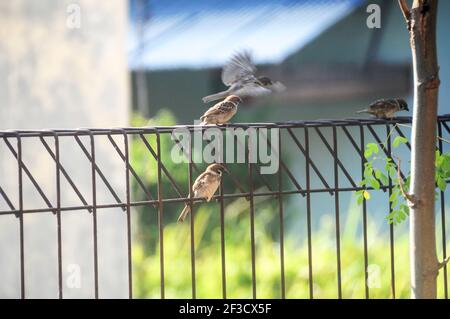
{"x":169,"y":129}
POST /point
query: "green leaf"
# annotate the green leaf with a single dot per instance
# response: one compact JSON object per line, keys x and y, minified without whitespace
{"x":393,"y":172}
{"x":383,"y":178}
{"x":399,"y":140}
{"x":441,"y":183}
{"x":368,"y":171}
{"x":405,"y":209}
{"x":366,"y":195}
{"x":359,"y":200}
{"x":371,"y":148}
{"x":375,"y":184}
{"x":393,"y":196}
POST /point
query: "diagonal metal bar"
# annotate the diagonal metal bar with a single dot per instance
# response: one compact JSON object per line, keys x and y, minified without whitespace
{"x":98,"y":170}
{"x":195,"y":167}
{"x":447,"y":128}
{"x":163,"y":167}
{"x":6,"y":198}
{"x":360,"y":152}
{"x":132,"y":171}
{"x":311,"y":163}
{"x":383,"y":147}
{"x":329,"y":148}
{"x":28,"y":173}
{"x":258,"y":170}
{"x":64,"y":172}
{"x":284,"y":166}
{"x":399,"y":131}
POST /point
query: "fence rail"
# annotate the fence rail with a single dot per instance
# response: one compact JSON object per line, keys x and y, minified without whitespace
{"x":356,"y":132}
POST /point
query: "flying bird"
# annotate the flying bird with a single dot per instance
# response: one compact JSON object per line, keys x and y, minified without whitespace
{"x":204,"y":186}
{"x":221,"y":112}
{"x":386,"y":108}
{"x":239,"y":75}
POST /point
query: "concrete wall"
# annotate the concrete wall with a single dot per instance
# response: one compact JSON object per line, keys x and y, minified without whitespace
{"x":63,"y":65}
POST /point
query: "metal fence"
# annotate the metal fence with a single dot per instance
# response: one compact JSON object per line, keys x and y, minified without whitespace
{"x":356,"y":132}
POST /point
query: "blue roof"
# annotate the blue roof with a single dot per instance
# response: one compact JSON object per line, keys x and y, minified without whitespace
{"x":205,"y":33}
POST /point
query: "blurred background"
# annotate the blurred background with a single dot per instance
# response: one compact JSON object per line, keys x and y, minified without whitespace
{"x":118,"y":63}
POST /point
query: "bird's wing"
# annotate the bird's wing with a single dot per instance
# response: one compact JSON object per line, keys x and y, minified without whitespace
{"x":199,"y":183}
{"x":240,"y":67}
{"x":277,"y":87}
{"x":219,"y":108}
{"x":252,"y":89}
{"x":382,"y":105}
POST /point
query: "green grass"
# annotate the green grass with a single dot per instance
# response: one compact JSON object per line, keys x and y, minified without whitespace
{"x":177,"y":259}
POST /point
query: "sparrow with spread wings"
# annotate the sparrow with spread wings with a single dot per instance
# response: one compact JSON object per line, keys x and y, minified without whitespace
{"x":204,"y":186}
{"x":386,"y":108}
{"x":221,"y":112}
{"x":239,"y":75}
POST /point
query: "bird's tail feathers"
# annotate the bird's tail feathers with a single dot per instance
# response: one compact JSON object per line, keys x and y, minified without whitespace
{"x":184,"y":213}
{"x":214,"y":97}
{"x":363,"y":111}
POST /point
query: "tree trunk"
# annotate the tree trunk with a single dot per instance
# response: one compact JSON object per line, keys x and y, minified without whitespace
{"x":423,"y":258}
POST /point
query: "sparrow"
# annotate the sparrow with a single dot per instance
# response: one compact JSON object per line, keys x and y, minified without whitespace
{"x":204,"y":186}
{"x":221,"y":112}
{"x":386,"y":108}
{"x":239,"y":75}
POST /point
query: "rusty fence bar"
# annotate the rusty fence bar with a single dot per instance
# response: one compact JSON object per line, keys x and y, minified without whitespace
{"x":329,"y":134}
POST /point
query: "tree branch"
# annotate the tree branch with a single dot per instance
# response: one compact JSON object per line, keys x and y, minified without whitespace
{"x":443,"y":263}
{"x":411,"y":198}
{"x":406,"y":12}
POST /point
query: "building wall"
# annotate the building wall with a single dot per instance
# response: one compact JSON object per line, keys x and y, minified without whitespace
{"x":57,"y":73}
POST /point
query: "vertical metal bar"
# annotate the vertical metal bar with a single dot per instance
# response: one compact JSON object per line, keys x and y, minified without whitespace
{"x":222,"y":242}
{"x":21,"y":228}
{"x":94,"y":213}
{"x":160,"y":216}
{"x":308,"y":213}
{"x":58,"y":213}
{"x":366,"y":260}
{"x":252,"y":217}
{"x":128,"y":207}
{"x":194,"y":290}
{"x":281,"y":216}
{"x":442,"y":200}
{"x":337,"y":217}
{"x":391,"y":226}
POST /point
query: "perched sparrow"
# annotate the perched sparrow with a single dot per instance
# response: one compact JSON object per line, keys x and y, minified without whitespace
{"x":386,"y":108}
{"x":205,"y":186}
{"x":239,"y":76}
{"x":222,"y":112}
